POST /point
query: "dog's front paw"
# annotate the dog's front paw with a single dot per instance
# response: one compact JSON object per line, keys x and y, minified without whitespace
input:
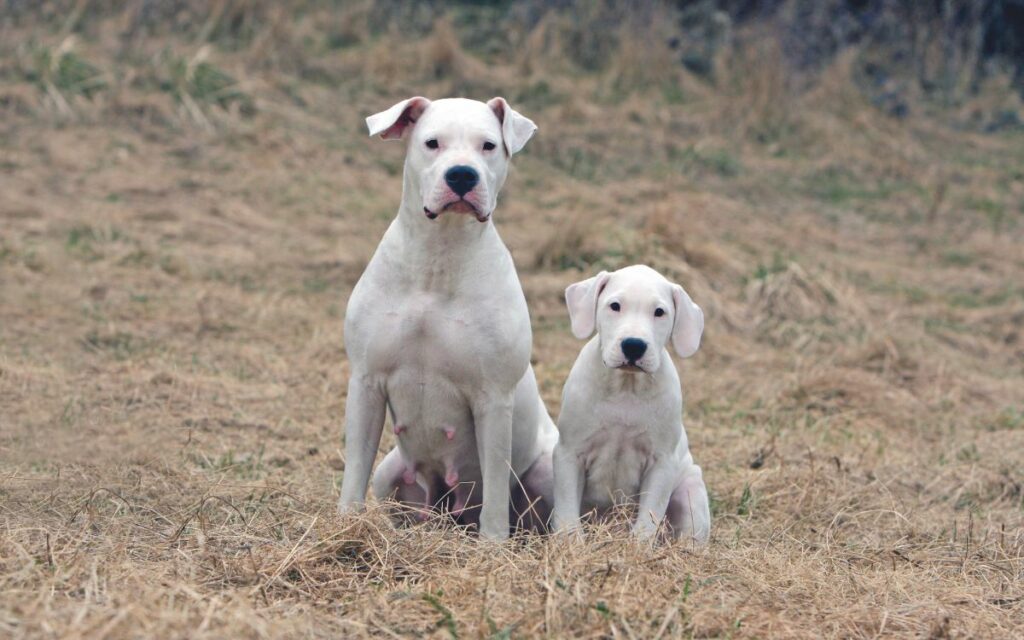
{"x":564,"y":524}
{"x":350,"y":506}
{"x":494,"y":523}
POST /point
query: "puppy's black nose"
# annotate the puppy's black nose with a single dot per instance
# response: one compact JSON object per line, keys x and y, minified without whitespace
{"x":633,"y":349}
{"x":462,"y":179}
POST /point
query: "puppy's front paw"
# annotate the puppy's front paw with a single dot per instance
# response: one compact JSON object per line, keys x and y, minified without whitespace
{"x":494,"y":534}
{"x":571,"y":530}
{"x":645,"y":530}
{"x":494,"y":529}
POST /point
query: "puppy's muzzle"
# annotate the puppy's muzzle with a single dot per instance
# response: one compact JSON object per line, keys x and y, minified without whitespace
{"x":633,"y":349}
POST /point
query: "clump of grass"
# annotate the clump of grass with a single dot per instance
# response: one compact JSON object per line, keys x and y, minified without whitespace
{"x":6,"y":252}
{"x":695,"y":161}
{"x":1008,"y":419}
{"x":993,"y":211}
{"x":443,"y":55}
{"x":644,"y":60}
{"x":785,"y":302}
{"x":575,"y":245}
{"x":87,"y":242}
{"x":63,"y":74}
{"x":745,"y":507}
{"x":761,"y":103}
{"x":839,"y":186}
{"x":245,"y":466}
{"x":65,"y":70}
{"x":538,"y":95}
{"x":120,"y":344}
{"x":675,"y":230}
{"x":576,"y":161}
{"x":197,"y":81}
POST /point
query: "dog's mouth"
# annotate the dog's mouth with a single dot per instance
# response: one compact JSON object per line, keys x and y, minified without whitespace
{"x":458,"y":206}
{"x":631,"y":368}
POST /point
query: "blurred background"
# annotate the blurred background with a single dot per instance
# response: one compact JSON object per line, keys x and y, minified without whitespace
{"x":188,"y":195}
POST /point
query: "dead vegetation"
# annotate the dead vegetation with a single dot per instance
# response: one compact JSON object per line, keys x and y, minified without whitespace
{"x":188,"y":197}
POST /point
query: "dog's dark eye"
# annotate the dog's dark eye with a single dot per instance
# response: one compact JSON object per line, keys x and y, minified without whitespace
{"x":432,"y":143}
{"x":488,"y":146}
{"x":659,"y":312}
{"x":615,"y":306}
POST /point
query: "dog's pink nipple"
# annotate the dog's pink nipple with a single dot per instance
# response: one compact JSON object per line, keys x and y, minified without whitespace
{"x":462,"y":494}
{"x":451,"y":478}
{"x":449,"y":433}
{"x":459,"y":506}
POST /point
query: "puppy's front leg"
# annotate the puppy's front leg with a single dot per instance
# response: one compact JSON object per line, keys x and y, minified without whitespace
{"x":492,"y":418}
{"x":364,"y":420}
{"x":656,"y":490}
{"x":568,"y":488}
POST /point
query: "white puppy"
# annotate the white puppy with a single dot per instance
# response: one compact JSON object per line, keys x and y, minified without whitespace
{"x":621,"y":437}
{"x":437,"y":331}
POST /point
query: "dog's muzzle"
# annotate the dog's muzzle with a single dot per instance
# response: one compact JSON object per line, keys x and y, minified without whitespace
{"x":458,"y":206}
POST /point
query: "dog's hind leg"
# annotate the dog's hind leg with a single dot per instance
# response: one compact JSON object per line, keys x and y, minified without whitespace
{"x":396,"y":479}
{"x":689,"y":514}
{"x":533,"y":495}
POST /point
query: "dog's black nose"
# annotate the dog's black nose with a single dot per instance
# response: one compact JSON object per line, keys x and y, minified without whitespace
{"x":633,"y":349}
{"x":462,"y":179}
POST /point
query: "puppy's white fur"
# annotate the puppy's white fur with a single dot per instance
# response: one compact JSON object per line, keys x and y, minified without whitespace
{"x":437,"y":331}
{"x":621,"y":437}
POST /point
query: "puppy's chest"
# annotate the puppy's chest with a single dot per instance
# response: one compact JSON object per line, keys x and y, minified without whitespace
{"x":615,"y":457}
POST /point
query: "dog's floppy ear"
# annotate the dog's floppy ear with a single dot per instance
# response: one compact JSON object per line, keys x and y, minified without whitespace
{"x":394,"y":122}
{"x":689,"y":323}
{"x":516,"y":129}
{"x":581,"y":299}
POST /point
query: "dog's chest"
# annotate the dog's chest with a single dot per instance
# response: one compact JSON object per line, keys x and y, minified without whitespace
{"x":427,"y":332}
{"x":615,"y":458}
{"x":432,"y":352}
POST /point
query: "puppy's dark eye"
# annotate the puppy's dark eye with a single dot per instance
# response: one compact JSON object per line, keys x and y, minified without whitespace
{"x":432,"y":143}
{"x":659,"y":312}
{"x":615,"y":306}
{"x":488,"y":146}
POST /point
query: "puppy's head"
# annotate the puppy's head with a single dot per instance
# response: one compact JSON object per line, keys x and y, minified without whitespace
{"x":458,"y":151}
{"x":636,"y":312}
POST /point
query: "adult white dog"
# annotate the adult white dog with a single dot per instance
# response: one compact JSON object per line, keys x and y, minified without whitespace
{"x":621,"y":437}
{"x":437,"y":331}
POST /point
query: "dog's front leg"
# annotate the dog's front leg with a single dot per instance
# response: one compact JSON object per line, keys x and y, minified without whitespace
{"x":568,"y":488}
{"x":364,"y":420}
{"x":656,"y":490}
{"x":492,"y":418}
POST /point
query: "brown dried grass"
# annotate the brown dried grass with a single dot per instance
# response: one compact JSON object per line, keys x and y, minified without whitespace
{"x":172,"y":373}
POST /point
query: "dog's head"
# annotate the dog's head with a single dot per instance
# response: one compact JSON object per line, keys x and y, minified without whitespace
{"x":636,"y":312}
{"x":458,"y":152}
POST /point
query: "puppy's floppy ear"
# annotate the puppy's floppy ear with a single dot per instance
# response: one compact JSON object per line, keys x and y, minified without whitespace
{"x":397,"y":120}
{"x":516,"y":129}
{"x":581,"y":299}
{"x":688,"y":325}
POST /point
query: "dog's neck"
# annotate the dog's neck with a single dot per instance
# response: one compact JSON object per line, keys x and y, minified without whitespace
{"x":438,"y":254}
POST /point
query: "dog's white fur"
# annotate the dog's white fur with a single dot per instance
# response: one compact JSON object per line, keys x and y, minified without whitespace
{"x":621,"y":437}
{"x":437,"y":331}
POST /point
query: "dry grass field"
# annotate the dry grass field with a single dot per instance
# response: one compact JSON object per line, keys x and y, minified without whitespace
{"x":186,"y":201}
